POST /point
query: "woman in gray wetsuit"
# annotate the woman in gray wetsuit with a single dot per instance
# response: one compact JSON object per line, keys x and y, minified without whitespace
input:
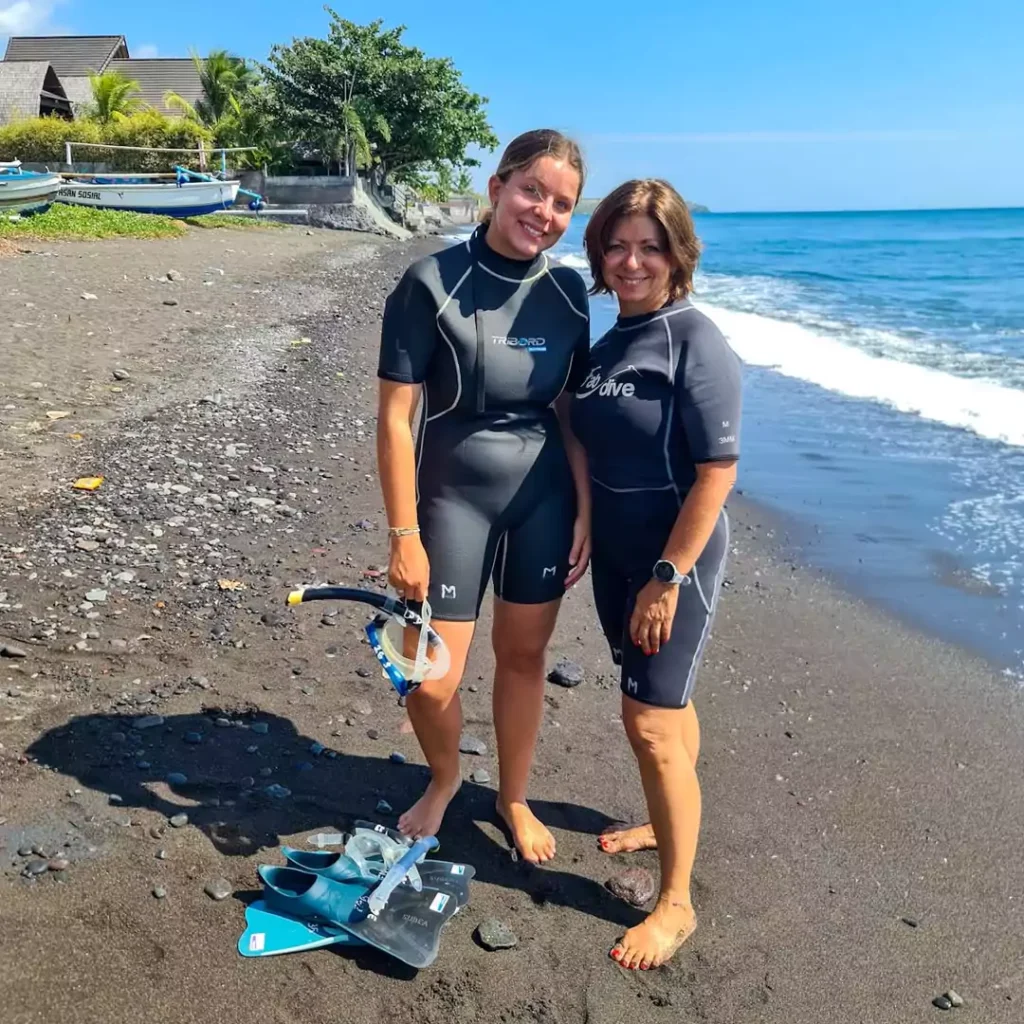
{"x":489,"y":339}
{"x":659,"y":416}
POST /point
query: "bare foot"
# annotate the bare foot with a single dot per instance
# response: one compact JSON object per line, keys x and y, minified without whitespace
{"x":653,"y":942}
{"x":628,"y":840}
{"x":533,"y":841}
{"x":425,"y":816}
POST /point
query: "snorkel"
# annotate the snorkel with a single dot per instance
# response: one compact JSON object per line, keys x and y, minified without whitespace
{"x":386,"y":634}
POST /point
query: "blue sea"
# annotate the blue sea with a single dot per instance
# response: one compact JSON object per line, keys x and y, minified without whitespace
{"x":884,"y":400}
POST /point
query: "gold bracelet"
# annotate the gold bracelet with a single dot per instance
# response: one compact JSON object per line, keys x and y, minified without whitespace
{"x":402,"y":531}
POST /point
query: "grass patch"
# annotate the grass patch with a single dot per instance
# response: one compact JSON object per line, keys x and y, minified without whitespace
{"x":83,"y":223}
{"x":232,"y":222}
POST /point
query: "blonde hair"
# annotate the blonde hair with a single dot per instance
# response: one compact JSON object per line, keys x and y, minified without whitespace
{"x":524,"y":149}
{"x":646,"y":197}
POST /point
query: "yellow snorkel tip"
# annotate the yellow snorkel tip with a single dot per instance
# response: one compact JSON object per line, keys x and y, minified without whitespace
{"x":295,"y":597}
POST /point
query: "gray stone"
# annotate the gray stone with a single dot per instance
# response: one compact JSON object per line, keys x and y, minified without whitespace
{"x":260,"y":728}
{"x":121,"y":374}
{"x":178,"y":821}
{"x":222,"y":723}
{"x":316,"y":749}
{"x":372,"y":734}
{"x":148,"y":722}
{"x":58,"y":864}
{"x":471,"y":745}
{"x":96,"y":596}
{"x":954,"y":999}
{"x":218,"y":889}
{"x":942,"y":1003}
{"x":159,"y":892}
{"x":277,"y":792}
{"x":10,"y":651}
{"x":24,"y":851}
{"x":481,"y":776}
{"x":37,"y":867}
{"x":193,"y":737}
{"x":87,"y":545}
{"x":383,"y":807}
{"x":634,"y":885}
{"x":493,"y":935}
{"x":566,"y":673}
{"x":176,"y":778}
{"x":396,"y":758}
{"x":161,"y":854}
{"x":363,"y":673}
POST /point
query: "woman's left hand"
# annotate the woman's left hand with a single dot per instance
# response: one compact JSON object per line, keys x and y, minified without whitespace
{"x":579,"y":556}
{"x":650,"y":625}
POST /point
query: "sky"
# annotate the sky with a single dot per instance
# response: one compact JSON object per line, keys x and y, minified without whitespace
{"x":743,"y":104}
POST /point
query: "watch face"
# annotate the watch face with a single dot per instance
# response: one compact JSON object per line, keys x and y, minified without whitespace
{"x":664,"y":571}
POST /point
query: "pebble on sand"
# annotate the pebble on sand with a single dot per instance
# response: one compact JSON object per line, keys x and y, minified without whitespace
{"x":159,"y":892}
{"x":37,"y":867}
{"x":148,"y":722}
{"x":954,"y":999}
{"x":396,"y":758}
{"x":10,"y":651}
{"x":471,"y":745}
{"x":179,"y":820}
{"x":218,"y":889}
{"x":481,"y":776}
{"x":634,"y":885}
{"x":566,"y":673}
{"x":942,"y":1003}
{"x":96,"y":596}
{"x":58,"y":864}
{"x":493,"y":934}
{"x":277,"y":792}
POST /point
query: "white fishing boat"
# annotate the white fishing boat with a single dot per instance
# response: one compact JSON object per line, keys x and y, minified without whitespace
{"x":142,"y":193}
{"x":24,"y":192}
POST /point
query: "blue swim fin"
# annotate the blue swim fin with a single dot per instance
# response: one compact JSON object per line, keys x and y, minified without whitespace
{"x":268,"y":933}
{"x":408,"y":926}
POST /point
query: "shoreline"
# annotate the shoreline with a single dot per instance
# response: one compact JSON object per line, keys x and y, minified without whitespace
{"x":856,"y":773}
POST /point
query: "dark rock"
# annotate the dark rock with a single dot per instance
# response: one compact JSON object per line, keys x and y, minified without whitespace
{"x":471,"y":745}
{"x":910,"y":922}
{"x":634,"y":885}
{"x":493,"y":935}
{"x":396,"y":758}
{"x":10,"y":651}
{"x":193,"y":738}
{"x":176,"y":778}
{"x":372,"y":734}
{"x":363,"y":673}
{"x":942,"y":1003}
{"x":37,"y":867}
{"x":316,"y":749}
{"x":566,"y":673}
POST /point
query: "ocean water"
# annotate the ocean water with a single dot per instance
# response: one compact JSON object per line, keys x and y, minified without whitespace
{"x":884,"y":399}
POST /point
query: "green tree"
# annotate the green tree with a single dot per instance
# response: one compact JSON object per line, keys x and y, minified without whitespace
{"x":113,"y":96}
{"x":414,"y":111}
{"x":225,"y":80}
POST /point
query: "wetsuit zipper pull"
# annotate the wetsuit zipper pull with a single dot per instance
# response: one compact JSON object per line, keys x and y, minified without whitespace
{"x":480,"y":348}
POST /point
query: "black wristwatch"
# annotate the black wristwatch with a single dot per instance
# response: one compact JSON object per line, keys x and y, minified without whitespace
{"x":665,"y":572}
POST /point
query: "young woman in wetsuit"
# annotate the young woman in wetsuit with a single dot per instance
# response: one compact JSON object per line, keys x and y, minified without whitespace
{"x":659,"y":416}
{"x":489,"y":339}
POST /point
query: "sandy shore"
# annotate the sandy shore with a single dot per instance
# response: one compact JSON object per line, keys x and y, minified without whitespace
{"x":857,"y":776}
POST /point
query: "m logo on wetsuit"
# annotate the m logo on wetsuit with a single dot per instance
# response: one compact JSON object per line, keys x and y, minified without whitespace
{"x":548,"y":571}
{"x":532,"y":344}
{"x":447,"y":591}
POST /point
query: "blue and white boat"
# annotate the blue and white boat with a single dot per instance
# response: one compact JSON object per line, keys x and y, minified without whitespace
{"x":23,"y":192}
{"x":141,"y":193}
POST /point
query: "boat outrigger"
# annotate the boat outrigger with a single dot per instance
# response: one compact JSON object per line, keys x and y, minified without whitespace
{"x":23,"y":192}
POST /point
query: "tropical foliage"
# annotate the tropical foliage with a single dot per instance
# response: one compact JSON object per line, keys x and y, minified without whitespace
{"x":114,"y":96}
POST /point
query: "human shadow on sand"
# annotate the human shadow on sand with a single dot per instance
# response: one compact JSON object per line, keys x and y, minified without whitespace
{"x":251,"y":780}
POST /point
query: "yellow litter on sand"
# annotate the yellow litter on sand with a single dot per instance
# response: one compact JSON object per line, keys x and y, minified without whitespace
{"x":230,"y":584}
{"x":302,"y":341}
{"x":87,"y":483}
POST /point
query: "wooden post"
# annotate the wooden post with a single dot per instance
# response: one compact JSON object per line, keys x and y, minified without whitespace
{"x":67,"y":154}
{"x":202,"y":156}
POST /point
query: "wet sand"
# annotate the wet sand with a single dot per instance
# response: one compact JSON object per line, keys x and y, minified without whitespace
{"x":857,"y":775}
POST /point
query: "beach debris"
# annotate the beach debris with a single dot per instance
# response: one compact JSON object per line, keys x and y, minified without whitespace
{"x":954,"y":999}
{"x":230,"y":584}
{"x":322,"y":839}
{"x":471,"y":745}
{"x":481,"y":776}
{"x":942,"y":1003}
{"x":566,"y":673}
{"x":10,"y":651}
{"x":218,"y":889}
{"x":493,"y":935}
{"x":301,"y":341}
{"x":634,"y":885}
{"x":88,"y":483}
{"x":383,"y":807}
{"x":178,"y":820}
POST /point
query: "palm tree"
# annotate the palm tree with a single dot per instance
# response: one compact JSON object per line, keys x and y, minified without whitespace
{"x":113,"y":96}
{"x":223,"y":79}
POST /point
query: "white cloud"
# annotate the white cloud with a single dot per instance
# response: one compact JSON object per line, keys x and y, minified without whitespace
{"x":145,"y":50}
{"x":25,"y":17}
{"x":908,"y":135}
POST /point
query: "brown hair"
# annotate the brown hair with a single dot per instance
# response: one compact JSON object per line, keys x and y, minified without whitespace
{"x":646,"y":197}
{"x":524,"y":149}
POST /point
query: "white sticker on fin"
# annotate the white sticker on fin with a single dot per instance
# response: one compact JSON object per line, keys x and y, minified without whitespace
{"x":257,"y":941}
{"x":438,"y":903}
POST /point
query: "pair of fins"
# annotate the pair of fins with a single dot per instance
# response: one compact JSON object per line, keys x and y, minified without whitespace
{"x":380,"y":892}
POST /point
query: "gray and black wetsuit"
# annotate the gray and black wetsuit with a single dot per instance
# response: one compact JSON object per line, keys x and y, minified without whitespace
{"x":494,"y":342}
{"x":662,"y":394}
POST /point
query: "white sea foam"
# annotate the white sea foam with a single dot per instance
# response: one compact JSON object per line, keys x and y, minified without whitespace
{"x":570,"y":259}
{"x":986,"y":407}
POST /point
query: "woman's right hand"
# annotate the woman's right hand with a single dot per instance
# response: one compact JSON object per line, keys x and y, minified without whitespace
{"x":409,"y":567}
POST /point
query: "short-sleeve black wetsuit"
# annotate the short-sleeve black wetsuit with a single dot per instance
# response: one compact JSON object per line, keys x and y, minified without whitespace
{"x":662,"y":394}
{"x":494,"y":342}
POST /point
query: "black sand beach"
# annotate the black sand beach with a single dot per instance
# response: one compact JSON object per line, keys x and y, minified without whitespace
{"x":860,"y":845}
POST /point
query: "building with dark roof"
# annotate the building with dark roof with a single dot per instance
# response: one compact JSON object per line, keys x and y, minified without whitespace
{"x":72,"y":59}
{"x":31,"y":88}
